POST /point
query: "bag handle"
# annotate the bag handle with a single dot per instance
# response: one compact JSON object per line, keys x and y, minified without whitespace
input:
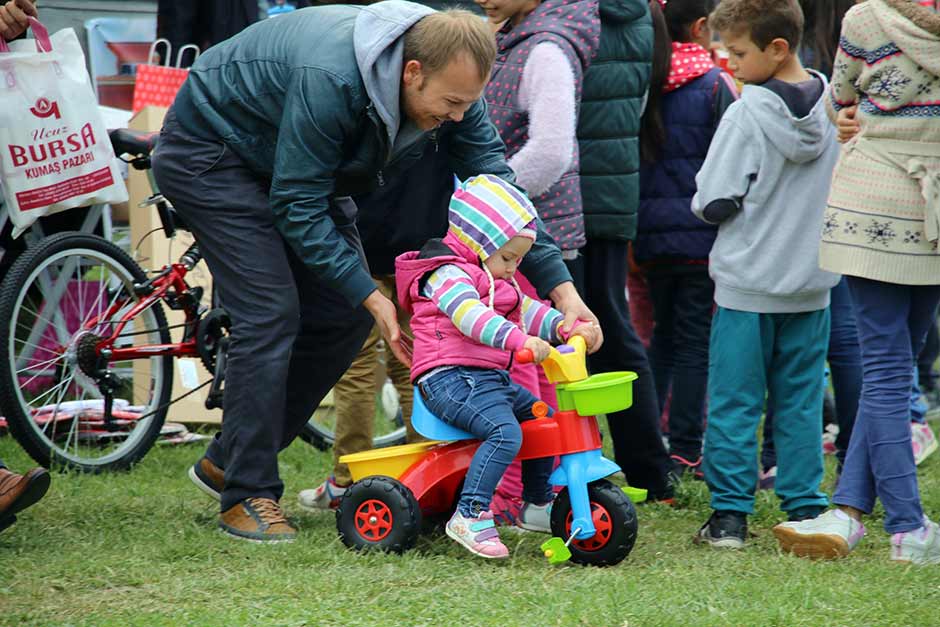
{"x":179,"y":55}
{"x":153,"y":50}
{"x":40,"y":34}
{"x":43,"y":43}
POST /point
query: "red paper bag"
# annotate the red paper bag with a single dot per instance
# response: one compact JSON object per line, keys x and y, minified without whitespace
{"x":157,"y":85}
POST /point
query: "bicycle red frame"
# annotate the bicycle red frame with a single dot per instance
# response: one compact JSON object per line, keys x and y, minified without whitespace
{"x":173,"y":277}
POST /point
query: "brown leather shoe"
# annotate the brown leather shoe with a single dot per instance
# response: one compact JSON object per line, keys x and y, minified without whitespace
{"x":208,"y":477}
{"x":258,"y":520}
{"x":17,"y":492}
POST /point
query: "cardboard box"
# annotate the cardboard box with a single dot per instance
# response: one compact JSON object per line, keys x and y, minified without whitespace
{"x":153,"y":251}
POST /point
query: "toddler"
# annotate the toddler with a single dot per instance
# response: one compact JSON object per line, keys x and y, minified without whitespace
{"x":468,"y":316}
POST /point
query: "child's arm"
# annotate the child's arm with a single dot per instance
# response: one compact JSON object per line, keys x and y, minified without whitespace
{"x":541,"y":320}
{"x":452,"y":290}
{"x":546,"y":323}
{"x":846,"y":69}
{"x":732,"y":163}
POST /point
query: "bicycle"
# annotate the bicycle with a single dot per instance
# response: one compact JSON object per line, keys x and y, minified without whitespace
{"x":86,"y":369}
{"x":99,"y":419}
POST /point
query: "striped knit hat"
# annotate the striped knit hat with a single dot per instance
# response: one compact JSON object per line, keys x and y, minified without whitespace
{"x":486,"y":212}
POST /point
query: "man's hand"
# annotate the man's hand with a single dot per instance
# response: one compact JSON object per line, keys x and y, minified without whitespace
{"x":13,"y":17}
{"x":386,"y":316}
{"x":589,"y":331}
{"x":568,"y":302}
{"x":539,"y":347}
{"x":847,"y":124}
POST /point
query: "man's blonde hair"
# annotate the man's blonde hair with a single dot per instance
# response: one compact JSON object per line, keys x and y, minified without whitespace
{"x":436,"y":40}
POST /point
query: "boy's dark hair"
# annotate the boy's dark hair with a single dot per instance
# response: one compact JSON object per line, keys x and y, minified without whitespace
{"x":766,"y":20}
{"x":670,"y":24}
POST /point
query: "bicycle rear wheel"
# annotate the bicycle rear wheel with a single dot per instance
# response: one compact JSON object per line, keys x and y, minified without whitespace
{"x":388,"y":426}
{"x":57,"y":301}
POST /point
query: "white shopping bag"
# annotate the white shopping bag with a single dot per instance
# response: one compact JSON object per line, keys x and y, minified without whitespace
{"x":55,"y":153}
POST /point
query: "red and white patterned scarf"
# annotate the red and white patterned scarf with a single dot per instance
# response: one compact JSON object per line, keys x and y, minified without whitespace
{"x":689,"y":61}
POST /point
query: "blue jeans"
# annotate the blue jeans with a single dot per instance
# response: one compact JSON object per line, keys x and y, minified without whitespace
{"x":490,"y":406}
{"x":678,"y":352}
{"x":892,"y":325}
{"x":752,"y":355}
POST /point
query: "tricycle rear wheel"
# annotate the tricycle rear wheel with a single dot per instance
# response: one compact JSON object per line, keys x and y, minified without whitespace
{"x":378,"y":513}
{"x":614,"y":518}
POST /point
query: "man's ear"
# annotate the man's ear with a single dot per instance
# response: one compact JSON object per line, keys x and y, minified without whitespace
{"x":412,"y":74}
{"x":779,"y":49}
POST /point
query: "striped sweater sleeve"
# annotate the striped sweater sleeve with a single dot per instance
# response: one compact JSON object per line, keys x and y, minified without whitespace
{"x":452,"y":290}
{"x":541,"y":320}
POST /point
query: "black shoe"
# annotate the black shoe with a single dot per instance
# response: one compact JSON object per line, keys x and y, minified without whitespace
{"x":805,"y":513}
{"x":724,"y":530}
{"x":682,"y":466}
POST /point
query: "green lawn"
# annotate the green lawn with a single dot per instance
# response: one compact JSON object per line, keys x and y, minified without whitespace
{"x":141,"y":548}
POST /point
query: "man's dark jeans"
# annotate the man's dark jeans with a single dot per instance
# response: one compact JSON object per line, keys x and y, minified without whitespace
{"x":292,"y":335}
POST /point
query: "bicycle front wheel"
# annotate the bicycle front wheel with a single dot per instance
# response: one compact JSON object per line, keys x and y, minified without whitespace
{"x":58,"y":301}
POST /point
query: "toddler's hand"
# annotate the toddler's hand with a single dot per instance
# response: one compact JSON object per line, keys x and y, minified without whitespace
{"x":589,"y":331}
{"x":847,"y":124}
{"x":540,"y":349}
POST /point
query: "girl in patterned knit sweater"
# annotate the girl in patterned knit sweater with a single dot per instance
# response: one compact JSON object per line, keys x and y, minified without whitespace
{"x":468,"y":314}
{"x":881,"y":230}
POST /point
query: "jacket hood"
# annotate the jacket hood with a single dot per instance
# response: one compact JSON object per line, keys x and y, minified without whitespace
{"x":623,"y":10}
{"x":486,"y":212}
{"x":379,"y":46}
{"x":913,"y":28}
{"x":568,"y":19}
{"x":412,"y":266}
{"x":799,"y":139}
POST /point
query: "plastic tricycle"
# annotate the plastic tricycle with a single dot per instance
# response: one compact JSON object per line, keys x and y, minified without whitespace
{"x":593,"y":521}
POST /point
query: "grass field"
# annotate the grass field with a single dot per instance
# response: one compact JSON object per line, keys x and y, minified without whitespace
{"x":141,"y":548}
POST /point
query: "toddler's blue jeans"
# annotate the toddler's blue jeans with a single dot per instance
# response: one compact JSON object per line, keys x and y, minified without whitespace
{"x":751,"y":355}
{"x":490,"y":406}
{"x":892,"y":324}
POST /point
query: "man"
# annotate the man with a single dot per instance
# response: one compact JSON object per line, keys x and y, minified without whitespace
{"x":271,"y":132}
{"x":611,"y":105}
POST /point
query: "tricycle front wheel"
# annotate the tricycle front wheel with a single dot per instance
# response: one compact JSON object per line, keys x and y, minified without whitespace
{"x":614,"y":519}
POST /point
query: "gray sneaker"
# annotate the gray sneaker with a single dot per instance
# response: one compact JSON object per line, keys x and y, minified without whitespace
{"x":921,"y":546}
{"x":534,"y":517}
{"x":830,"y":535}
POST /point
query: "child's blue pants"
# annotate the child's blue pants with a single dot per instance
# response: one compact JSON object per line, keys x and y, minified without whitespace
{"x":751,"y":354}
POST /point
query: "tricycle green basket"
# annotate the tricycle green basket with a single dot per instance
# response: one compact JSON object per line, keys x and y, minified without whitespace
{"x":598,"y":394}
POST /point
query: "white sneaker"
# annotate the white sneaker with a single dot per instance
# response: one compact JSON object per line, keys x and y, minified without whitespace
{"x":324,"y":497}
{"x":923,"y":440}
{"x":921,"y":546}
{"x":830,"y":535}
{"x":534,"y":517}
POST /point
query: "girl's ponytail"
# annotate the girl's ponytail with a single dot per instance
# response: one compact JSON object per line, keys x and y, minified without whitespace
{"x":652,"y":129}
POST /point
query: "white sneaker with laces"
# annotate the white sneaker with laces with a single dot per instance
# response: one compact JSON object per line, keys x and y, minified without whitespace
{"x":830,"y":535}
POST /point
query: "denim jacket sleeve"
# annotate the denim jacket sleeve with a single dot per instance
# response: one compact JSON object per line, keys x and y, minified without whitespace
{"x":314,"y":126}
